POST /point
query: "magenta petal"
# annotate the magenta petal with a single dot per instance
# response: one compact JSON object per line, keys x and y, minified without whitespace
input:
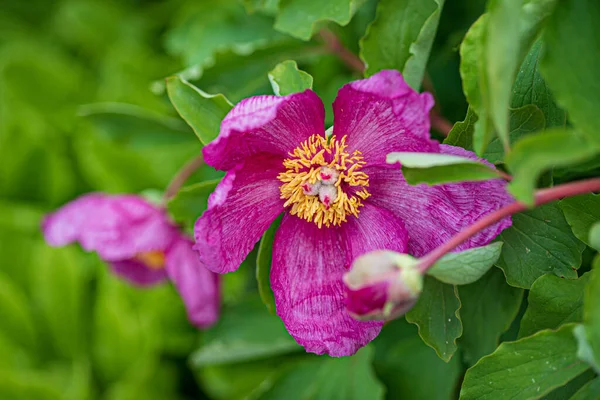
{"x":241,"y":209}
{"x":382,"y":114}
{"x":137,"y":273}
{"x":433,"y":214}
{"x":197,"y":286}
{"x":306,"y":278}
{"x":117,"y":227}
{"x":265,"y":124}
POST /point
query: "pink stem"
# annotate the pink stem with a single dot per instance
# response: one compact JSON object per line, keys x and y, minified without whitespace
{"x":541,"y":197}
{"x":181,"y":176}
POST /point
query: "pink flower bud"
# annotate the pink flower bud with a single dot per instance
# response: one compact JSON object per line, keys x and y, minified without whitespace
{"x":382,"y":285}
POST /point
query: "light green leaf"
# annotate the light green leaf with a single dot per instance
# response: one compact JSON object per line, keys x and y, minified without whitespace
{"x":536,"y":153}
{"x":263,"y":266}
{"x":245,"y":331}
{"x":581,"y":213}
{"x":17,"y":323}
{"x":488,"y":308}
{"x":467,"y":266}
{"x":590,"y":330}
{"x":571,"y":34}
{"x":539,"y":242}
{"x":594,"y":236}
{"x":299,"y":18}
{"x":191,"y":201}
{"x":28,"y":385}
{"x":552,"y":302}
{"x":286,"y":79}
{"x":590,"y":390}
{"x":398,"y":349}
{"x":433,"y":168}
{"x":400,"y":38}
{"x":461,"y":134}
{"x":202,"y":111}
{"x":527,"y":368}
{"x":326,"y":378}
{"x":530,"y":88}
{"x":437,"y":316}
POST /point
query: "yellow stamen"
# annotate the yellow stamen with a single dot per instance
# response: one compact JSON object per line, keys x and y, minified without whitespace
{"x":304,"y":167}
{"x":151,"y":259}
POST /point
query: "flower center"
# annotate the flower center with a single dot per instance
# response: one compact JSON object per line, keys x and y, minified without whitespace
{"x":151,"y":259}
{"x":323,"y":183}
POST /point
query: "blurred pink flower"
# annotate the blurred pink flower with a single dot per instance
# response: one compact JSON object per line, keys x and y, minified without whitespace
{"x":140,"y":244}
{"x":339,"y":197}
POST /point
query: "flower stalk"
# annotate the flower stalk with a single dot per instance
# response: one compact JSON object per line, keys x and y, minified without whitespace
{"x":181,"y":176}
{"x":542,"y":196}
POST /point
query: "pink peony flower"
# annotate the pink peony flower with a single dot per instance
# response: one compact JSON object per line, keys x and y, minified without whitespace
{"x":339,"y":198}
{"x":140,"y":244}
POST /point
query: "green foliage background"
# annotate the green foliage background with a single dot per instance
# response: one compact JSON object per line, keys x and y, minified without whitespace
{"x":84,"y":106}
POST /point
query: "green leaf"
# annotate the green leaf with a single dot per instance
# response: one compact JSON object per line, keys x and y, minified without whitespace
{"x":202,"y":111}
{"x":133,"y":126}
{"x":571,"y":33}
{"x":527,"y":368}
{"x":536,"y":153}
{"x":539,"y":242}
{"x":299,"y":18}
{"x":568,"y":390}
{"x":488,"y":308}
{"x":591,"y":316}
{"x":263,"y":266}
{"x":531,"y":88}
{"x":245,"y":331}
{"x":467,"y":266}
{"x":286,"y":79}
{"x":523,"y":121}
{"x":59,"y":296}
{"x":594,"y":236}
{"x":437,"y":316}
{"x":552,"y":302}
{"x":400,"y":38}
{"x":17,"y":322}
{"x":344,"y":378}
{"x":590,"y":390}
{"x":398,"y":349}
{"x":581,"y":213}
{"x":433,"y":168}
{"x":461,"y":134}
{"x":28,"y":385}
{"x":191,"y":201}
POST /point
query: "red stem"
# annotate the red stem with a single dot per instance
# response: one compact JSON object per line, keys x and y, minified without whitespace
{"x":335,"y":46}
{"x":181,"y":176}
{"x":541,"y":197}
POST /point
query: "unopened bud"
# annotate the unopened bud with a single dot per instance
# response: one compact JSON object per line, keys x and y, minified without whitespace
{"x":382,"y":285}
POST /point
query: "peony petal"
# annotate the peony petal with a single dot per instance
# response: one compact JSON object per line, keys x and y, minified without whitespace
{"x":117,"y":227}
{"x":241,"y":209}
{"x":433,"y":214}
{"x":137,"y":273}
{"x":382,"y":114}
{"x":265,"y":124}
{"x":306,"y":278}
{"x":197,"y":286}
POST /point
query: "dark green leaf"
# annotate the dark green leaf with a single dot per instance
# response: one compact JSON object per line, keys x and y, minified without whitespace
{"x":432,"y":168}
{"x":245,"y":331}
{"x":527,"y":368}
{"x":461,"y":134}
{"x":568,"y":390}
{"x":437,"y":316}
{"x":25,"y":385}
{"x":17,"y":322}
{"x":539,"y":242}
{"x":202,"y":111}
{"x":263,"y":266}
{"x":530,"y":88}
{"x":591,"y":390}
{"x":553,"y":301}
{"x":325,"y":378}
{"x":591,"y":318}
{"x":299,"y":18}
{"x":572,"y":32}
{"x":466,"y":266}
{"x":581,"y":213}
{"x":191,"y":201}
{"x":398,"y":349}
{"x":400,"y":38}
{"x":286,"y":79}
{"x":536,"y":153}
{"x":594,"y":236}
{"x":488,"y":308}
